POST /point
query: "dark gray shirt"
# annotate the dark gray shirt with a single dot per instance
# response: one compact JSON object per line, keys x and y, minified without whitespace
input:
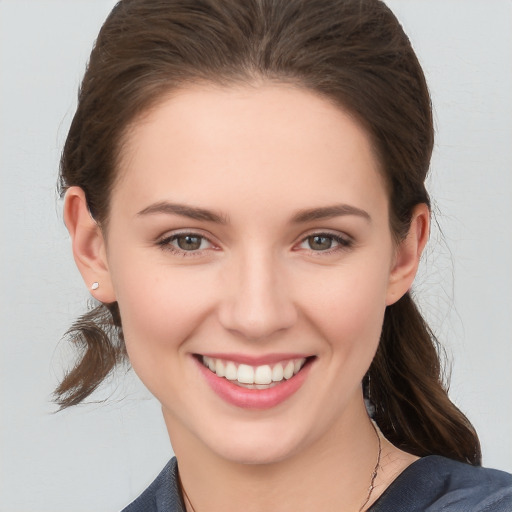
{"x":431,"y":484}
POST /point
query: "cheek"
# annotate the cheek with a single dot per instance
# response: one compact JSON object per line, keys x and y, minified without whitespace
{"x":348,"y":309}
{"x":159,"y":311}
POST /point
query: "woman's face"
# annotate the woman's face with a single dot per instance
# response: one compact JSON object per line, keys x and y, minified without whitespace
{"x":249,"y":232}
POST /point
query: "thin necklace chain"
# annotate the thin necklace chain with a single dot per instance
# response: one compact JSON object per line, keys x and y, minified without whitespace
{"x":185,"y":495}
{"x":375,"y":470}
{"x":370,"y":488}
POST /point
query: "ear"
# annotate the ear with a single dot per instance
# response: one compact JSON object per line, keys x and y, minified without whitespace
{"x":408,"y":254}
{"x":88,"y":245}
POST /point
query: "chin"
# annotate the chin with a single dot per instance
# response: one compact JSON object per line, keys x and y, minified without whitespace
{"x":261,"y":446}
{"x":255,"y":455}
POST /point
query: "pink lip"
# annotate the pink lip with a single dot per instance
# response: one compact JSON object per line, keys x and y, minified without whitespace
{"x":254,"y":398}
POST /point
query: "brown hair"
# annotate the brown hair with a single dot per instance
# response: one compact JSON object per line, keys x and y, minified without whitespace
{"x":353,"y":52}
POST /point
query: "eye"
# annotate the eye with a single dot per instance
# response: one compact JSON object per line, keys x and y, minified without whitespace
{"x":325,"y":242}
{"x":183,"y":243}
{"x":189,"y":242}
{"x":319,"y":242}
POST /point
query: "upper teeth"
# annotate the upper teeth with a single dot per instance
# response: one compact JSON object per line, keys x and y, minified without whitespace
{"x":246,"y":374}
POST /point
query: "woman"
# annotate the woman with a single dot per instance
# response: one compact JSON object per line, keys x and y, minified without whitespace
{"x":245,"y":194}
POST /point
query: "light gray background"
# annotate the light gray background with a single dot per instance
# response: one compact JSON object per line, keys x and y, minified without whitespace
{"x":97,"y":457}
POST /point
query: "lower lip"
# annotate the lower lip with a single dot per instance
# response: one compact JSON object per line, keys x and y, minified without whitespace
{"x":254,"y":398}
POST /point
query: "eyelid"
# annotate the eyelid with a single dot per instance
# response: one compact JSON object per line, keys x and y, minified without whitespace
{"x":326,"y":232}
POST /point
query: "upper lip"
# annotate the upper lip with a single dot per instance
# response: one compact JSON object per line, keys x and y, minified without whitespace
{"x":255,"y":360}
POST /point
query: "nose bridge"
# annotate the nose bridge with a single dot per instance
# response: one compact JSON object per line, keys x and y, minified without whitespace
{"x":258,"y":302}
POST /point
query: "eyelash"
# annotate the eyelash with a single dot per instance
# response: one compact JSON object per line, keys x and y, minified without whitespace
{"x":165,"y":244}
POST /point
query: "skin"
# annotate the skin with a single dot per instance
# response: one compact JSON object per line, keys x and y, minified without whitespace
{"x":256,"y":156}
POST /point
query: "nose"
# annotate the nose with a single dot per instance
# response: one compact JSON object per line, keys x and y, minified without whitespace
{"x":256,"y":301}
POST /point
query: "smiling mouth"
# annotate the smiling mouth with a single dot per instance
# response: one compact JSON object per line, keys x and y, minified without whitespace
{"x":254,"y":377}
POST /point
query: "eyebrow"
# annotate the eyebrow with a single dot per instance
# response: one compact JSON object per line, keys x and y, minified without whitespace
{"x":191,"y":212}
{"x":329,"y":212}
{"x":303,"y":216}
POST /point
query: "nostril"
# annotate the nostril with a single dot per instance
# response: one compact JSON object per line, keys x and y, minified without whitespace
{"x":256,"y":325}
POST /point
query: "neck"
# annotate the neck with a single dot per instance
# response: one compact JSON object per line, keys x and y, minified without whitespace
{"x":332,"y":473}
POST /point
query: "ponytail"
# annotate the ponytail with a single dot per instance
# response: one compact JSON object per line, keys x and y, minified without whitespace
{"x":98,"y":337}
{"x":410,"y":400}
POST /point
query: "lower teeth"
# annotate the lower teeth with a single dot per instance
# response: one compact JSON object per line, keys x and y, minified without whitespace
{"x":256,"y":386}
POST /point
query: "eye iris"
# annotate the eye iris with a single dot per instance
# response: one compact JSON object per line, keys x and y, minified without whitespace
{"x":320,"y":243}
{"x":189,"y":242}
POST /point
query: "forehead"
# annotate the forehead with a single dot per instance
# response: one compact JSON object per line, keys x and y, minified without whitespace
{"x":257,"y":143}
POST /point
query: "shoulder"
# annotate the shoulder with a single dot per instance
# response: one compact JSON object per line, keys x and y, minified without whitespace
{"x":439,"y":484}
{"x":162,"y":495}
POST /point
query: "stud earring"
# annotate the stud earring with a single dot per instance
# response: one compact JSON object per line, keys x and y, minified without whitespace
{"x":95,"y":286}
